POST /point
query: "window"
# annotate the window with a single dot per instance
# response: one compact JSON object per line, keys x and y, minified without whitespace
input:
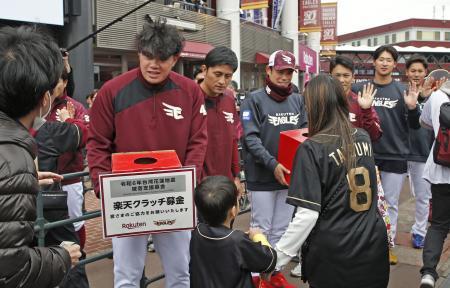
{"x":386,"y":39}
{"x":358,"y":43}
{"x":353,"y":43}
{"x":447,"y":36}
{"x":419,"y":35}
{"x":375,"y":41}
{"x":437,"y":35}
{"x":369,"y":42}
{"x":407,"y":36}
{"x":394,"y":38}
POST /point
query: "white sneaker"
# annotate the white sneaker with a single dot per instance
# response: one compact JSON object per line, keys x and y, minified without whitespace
{"x":427,"y":281}
{"x":297,"y":271}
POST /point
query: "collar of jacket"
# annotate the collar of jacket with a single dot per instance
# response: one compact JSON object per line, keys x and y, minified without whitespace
{"x":13,"y":132}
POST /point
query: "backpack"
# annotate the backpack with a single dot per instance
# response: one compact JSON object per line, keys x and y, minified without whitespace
{"x":441,"y":151}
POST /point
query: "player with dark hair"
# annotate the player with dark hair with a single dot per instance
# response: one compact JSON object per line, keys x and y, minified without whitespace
{"x":334,"y":187}
{"x":150,"y":108}
{"x":420,"y":142}
{"x":221,"y":256}
{"x":222,"y":156}
{"x":362,"y":114}
{"x":30,"y":66}
{"x":398,"y":112}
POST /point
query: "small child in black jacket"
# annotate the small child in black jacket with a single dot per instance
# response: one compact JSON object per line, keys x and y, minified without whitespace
{"x":220,"y":256}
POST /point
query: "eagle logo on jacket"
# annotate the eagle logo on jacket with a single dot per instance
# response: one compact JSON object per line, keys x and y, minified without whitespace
{"x":173,"y":111}
{"x":229,"y":117}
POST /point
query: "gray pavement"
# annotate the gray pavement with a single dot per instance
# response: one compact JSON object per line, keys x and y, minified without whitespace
{"x":403,"y":275}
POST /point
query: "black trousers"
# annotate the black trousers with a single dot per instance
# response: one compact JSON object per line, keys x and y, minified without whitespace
{"x":437,"y":232}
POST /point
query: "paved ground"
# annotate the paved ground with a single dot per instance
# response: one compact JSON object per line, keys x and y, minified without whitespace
{"x":403,"y":275}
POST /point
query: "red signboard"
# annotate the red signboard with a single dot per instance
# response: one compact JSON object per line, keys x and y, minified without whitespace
{"x":254,"y":4}
{"x":309,"y":16}
{"x":329,"y":27}
{"x":307,"y":59}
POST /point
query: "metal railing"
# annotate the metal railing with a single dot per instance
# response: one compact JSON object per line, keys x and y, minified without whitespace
{"x":42,"y":225}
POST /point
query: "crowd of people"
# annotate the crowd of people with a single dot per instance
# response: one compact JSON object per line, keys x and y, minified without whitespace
{"x":338,"y":214}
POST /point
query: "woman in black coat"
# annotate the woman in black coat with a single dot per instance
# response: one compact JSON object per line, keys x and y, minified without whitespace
{"x":30,"y":66}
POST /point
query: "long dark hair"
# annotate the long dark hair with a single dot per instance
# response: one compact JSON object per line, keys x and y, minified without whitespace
{"x":327,"y":109}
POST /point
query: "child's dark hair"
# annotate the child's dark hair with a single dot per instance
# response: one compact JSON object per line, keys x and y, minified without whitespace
{"x":214,"y":197}
{"x":159,"y":40}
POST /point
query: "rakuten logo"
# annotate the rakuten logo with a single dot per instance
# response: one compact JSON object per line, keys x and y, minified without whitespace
{"x":131,"y":226}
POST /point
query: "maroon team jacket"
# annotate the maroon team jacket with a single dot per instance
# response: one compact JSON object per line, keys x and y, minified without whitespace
{"x":70,"y":162}
{"x":222,"y":156}
{"x":130,"y":115}
{"x":366,"y":119}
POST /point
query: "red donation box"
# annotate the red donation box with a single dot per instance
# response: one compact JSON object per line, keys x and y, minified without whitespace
{"x":289,"y":142}
{"x":144,"y":161}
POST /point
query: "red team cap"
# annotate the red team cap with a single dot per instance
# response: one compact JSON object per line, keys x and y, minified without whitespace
{"x":281,"y":60}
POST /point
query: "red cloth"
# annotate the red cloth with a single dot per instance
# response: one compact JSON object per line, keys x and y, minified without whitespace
{"x":130,"y":115}
{"x":366,"y":119}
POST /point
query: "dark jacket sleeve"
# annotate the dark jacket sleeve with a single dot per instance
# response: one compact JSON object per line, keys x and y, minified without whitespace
{"x":54,"y":139}
{"x":257,"y":257}
{"x":413,"y":117}
{"x":252,"y":138}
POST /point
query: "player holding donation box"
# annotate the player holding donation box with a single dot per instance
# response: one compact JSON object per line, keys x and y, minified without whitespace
{"x":148,"y":192}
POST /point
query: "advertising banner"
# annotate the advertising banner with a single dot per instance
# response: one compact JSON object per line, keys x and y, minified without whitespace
{"x":309,"y":16}
{"x":329,"y":24}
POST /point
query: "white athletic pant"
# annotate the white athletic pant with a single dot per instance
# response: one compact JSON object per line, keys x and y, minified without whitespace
{"x":270,"y":213}
{"x":130,"y":253}
{"x":392,"y":185}
{"x":75,"y":201}
{"x":421,"y":190}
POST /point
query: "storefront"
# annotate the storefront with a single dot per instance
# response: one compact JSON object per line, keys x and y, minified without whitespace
{"x":115,"y":50}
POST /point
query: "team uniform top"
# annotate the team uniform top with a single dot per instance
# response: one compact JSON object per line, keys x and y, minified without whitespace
{"x":348,"y":245}
{"x":263,"y":119}
{"x":395,"y":120}
{"x":222,"y":156}
{"x":130,"y":115}
{"x":223,"y":258}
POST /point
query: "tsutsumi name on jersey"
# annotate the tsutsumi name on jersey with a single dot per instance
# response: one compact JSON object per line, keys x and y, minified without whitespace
{"x":385,"y":102}
{"x":283,"y":118}
{"x":361,"y":149}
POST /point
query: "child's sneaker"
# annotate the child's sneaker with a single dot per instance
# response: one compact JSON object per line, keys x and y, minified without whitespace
{"x":278,"y":281}
{"x":427,"y":281}
{"x":417,"y":241}
{"x":297,"y":271}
